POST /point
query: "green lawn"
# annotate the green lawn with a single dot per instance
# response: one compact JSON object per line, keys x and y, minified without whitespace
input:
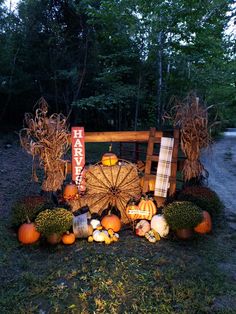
{"x":131,"y":276}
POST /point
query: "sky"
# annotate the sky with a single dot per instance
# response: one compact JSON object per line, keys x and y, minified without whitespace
{"x":231,"y":29}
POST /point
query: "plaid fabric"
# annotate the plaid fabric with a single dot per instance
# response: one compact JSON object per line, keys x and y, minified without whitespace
{"x":164,"y":167}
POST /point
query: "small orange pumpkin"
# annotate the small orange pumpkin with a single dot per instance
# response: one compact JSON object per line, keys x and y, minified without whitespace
{"x":111,"y":222}
{"x":68,"y":238}
{"x":109,"y":159}
{"x":27,"y":233}
{"x":132,"y":210}
{"x":206,"y":225}
{"x":70,"y":191}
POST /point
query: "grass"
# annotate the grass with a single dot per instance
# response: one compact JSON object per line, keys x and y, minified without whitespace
{"x":131,"y":276}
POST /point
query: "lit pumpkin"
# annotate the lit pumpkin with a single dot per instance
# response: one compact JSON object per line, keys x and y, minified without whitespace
{"x":206,"y":225}
{"x":160,"y":225}
{"x":27,"y":233}
{"x":111,"y":222}
{"x":68,"y":238}
{"x":147,"y":208}
{"x":142,"y":227}
{"x":70,"y":191}
{"x":151,"y":183}
{"x":109,"y":159}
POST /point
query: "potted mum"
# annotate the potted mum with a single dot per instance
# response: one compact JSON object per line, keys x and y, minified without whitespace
{"x":182,"y":217}
{"x":52,"y":223}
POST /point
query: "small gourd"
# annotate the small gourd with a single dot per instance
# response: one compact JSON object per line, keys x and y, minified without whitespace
{"x":142,"y":227}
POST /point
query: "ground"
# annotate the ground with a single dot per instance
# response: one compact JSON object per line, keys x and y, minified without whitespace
{"x":131,"y":276}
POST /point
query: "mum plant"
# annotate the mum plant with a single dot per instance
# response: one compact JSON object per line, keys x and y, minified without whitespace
{"x":204,"y":197}
{"x":182,"y":215}
{"x":50,"y":221}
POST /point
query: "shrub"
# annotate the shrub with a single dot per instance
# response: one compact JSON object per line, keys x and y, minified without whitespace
{"x":29,"y":206}
{"x":182,"y":215}
{"x":57,"y":220}
{"x":204,"y":197}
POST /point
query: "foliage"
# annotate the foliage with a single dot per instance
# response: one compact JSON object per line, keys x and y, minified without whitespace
{"x":29,"y":206}
{"x":203,"y":197}
{"x":49,"y":221}
{"x":115,"y":62}
{"x":182,"y":215}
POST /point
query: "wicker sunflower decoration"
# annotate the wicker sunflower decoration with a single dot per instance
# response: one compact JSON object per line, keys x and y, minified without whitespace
{"x":111,"y":185}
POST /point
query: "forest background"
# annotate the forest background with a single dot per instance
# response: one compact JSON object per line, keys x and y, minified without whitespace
{"x":115,"y":64}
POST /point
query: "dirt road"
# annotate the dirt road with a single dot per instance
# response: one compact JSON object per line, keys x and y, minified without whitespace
{"x":220,"y":161}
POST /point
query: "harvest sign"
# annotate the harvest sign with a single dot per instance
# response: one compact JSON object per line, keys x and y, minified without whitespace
{"x":78,"y":156}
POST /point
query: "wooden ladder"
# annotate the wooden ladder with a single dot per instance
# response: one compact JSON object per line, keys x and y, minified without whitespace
{"x":155,"y":137}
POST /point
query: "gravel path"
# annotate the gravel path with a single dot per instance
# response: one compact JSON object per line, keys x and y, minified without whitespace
{"x":220,"y":161}
{"x":15,"y":173}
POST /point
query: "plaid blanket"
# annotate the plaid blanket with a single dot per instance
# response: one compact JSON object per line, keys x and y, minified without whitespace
{"x":164,"y":167}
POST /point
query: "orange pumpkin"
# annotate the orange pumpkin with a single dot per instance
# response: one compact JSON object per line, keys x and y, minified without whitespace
{"x":151,"y":183}
{"x":132,"y":211}
{"x":111,"y":222}
{"x":109,"y":159}
{"x":147,"y":208}
{"x":68,"y":238}
{"x":206,"y":225}
{"x":27,"y":233}
{"x":70,"y":191}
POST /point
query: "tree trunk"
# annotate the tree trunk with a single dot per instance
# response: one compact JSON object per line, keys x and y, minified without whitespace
{"x":137,"y":103}
{"x":159,"y":79}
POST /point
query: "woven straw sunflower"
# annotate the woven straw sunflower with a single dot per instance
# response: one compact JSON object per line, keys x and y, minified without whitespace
{"x":114,"y":185}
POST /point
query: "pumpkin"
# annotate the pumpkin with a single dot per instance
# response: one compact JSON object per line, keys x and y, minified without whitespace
{"x":160,"y":225}
{"x":111,"y":222}
{"x":145,"y":209}
{"x":68,"y":238}
{"x":151,"y":183}
{"x":98,"y":236}
{"x":70,"y":191}
{"x":109,"y":159}
{"x":27,"y":233}
{"x":142,"y":227}
{"x":95,"y":223}
{"x":206,"y":225}
{"x":132,"y":210}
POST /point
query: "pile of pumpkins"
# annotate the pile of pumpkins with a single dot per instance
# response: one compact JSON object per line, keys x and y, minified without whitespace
{"x":151,"y":225}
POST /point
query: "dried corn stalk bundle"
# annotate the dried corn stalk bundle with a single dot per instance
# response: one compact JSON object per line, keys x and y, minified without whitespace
{"x":192,"y":118}
{"x":46,"y":138}
{"x":113,"y":185}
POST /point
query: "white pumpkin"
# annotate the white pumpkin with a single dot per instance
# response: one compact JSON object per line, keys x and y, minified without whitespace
{"x":95,"y":223}
{"x":159,"y":224}
{"x":98,"y":236}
